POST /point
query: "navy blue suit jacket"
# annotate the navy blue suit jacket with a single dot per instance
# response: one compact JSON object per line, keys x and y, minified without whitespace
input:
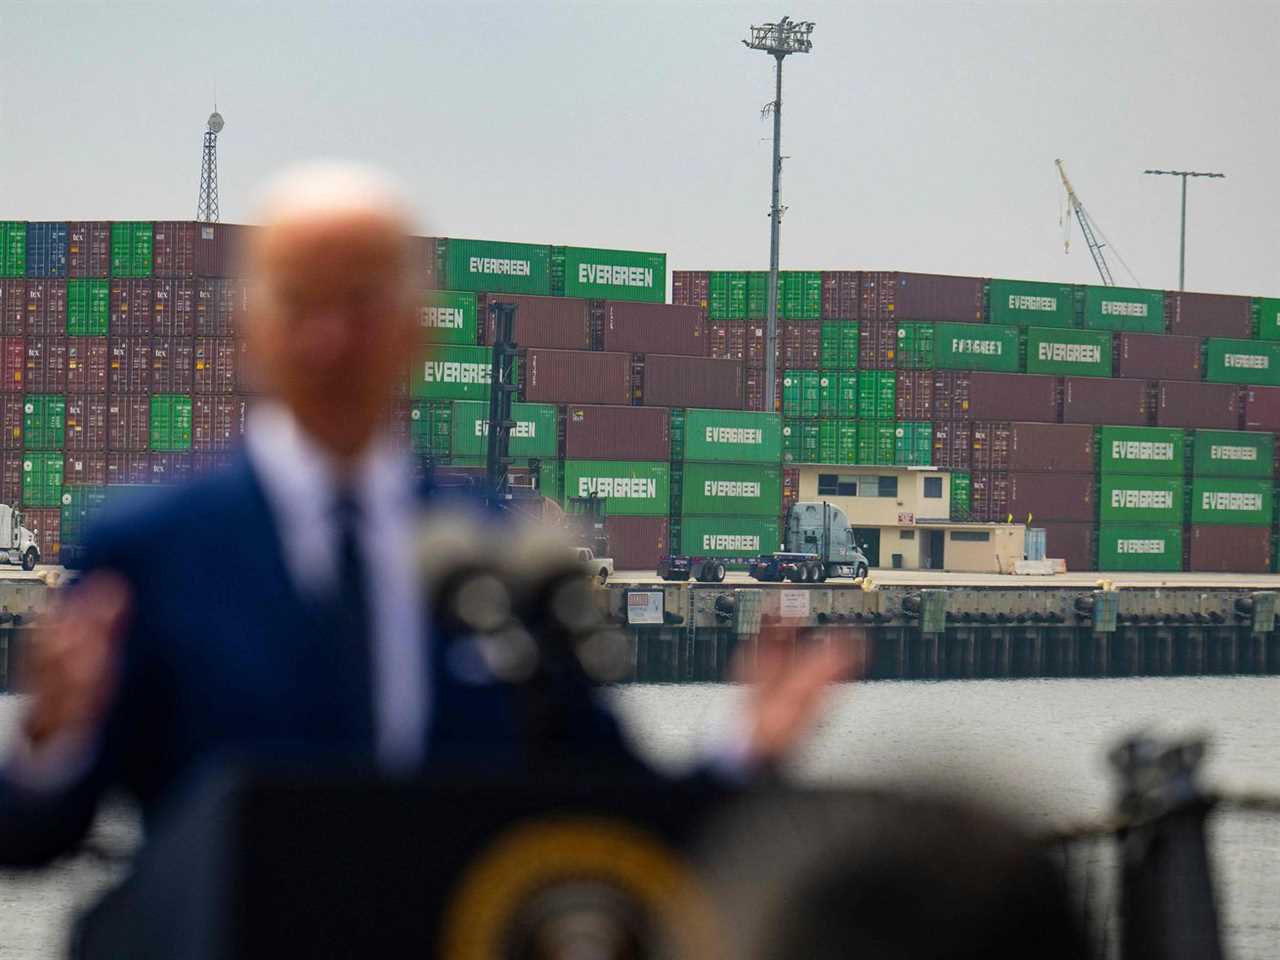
{"x":225,"y":658}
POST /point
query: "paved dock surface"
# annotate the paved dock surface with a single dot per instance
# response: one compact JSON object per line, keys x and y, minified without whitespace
{"x":942,"y":578}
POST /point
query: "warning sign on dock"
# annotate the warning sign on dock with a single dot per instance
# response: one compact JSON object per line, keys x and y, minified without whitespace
{"x":793,"y":605}
{"x":644,"y":606}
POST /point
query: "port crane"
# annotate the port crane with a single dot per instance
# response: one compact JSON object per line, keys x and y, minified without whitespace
{"x":1093,"y":235}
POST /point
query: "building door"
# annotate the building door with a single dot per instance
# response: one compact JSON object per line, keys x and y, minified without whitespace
{"x":868,"y":538}
{"x":936,"y":542}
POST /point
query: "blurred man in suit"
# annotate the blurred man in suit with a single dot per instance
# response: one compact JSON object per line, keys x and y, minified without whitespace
{"x":245,"y":614}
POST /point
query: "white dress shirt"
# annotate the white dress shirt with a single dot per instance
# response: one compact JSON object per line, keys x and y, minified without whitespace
{"x":301,"y":483}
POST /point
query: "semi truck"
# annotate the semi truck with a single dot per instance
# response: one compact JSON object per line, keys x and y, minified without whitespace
{"x":17,"y":544}
{"x":818,"y":543}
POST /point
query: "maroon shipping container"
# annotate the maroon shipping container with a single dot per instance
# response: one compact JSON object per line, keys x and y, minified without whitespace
{"x":839,"y":294}
{"x":86,"y":423}
{"x":220,"y":249}
{"x":128,"y":365}
{"x":1076,"y":543}
{"x":174,"y":249}
{"x":991,"y":440}
{"x":801,"y":344}
{"x":692,"y":382}
{"x":691,"y":288}
{"x":173,"y":308}
{"x":46,"y":308}
{"x":215,"y":303}
{"x":13,"y":364}
{"x":931,"y":296}
{"x":1208,"y":315}
{"x":1121,"y":403}
{"x":11,"y":477}
{"x":755,"y":344}
{"x":575,"y":376}
{"x":87,"y":365}
{"x":1262,"y":409}
{"x":88,"y":248}
{"x":85,"y":469}
{"x":1154,"y":356}
{"x":953,"y":444}
{"x":422,"y":262}
{"x":1053,"y":496}
{"x":727,"y":340}
{"x":616,"y":433}
{"x":754,"y":381}
{"x":215,"y":360}
{"x":560,"y":323}
{"x":877,"y":344}
{"x":217,"y":423}
{"x":1013,"y":396}
{"x":172,"y":468}
{"x":1213,"y":406}
{"x":13,"y":308}
{"x":1221,"y":549}
{"x":46,"y":365}
{"x":12,"y":413}
{"x":128,"y":468}
{"x":128,"y":426}
{"x":875,"y":294}
{"x":990,"y":497}
{"x":131,"y":308}
{"x":172,"y":364}
{"x":1039,"y":447}
{"x":638,"y":327}
{"x":636,"y":543}
{"x":790,"y":487}
{"x":207,"y":462}
{"x":950,"y":395}
{"x":915,"y":395}
{"x":46,"y":524}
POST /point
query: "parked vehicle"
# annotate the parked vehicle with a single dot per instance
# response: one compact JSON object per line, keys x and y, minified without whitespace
{"x":17,"y":543}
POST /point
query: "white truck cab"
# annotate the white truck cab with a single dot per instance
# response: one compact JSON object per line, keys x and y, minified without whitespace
{"x":599,"y":567}
{"x":17,"y":543}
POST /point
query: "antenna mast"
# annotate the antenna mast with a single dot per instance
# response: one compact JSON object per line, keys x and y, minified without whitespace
{"x":207,"y":206}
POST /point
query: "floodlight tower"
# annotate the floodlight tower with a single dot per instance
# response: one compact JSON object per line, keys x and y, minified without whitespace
{"x":779,"y":39}
{"x":207,"y":206}
{"x":1182,"y":241}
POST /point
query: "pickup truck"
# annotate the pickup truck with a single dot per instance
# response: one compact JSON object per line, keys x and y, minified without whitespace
{"x":599,"y":567}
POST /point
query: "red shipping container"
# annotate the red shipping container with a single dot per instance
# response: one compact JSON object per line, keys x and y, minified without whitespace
{"x":1155,"y":356}
{"x":128,"y":365}
{"x":1120,"y":403}
{"x":87,"y":469}
{"x":88,"y":248}
{"x":13,"y":364}
{"x":991,"y":442}
{"x":173,"y":308}
{"x":13,"y":308}
{"x":1076,"y":543}
{"x":638,"y":327}
{"x":86,"y":422}
{"x":755,"y":344}
{"x":1053,"y":496}
{"x":132,"y":305}
{"x":692,"y":382}
{"x":790,"y":487}
{"x":953,"y":444}
{"x":561,"y":323}
{"x":1262,"y":409}
{"x":215,"y":306}
{"x":12,"y":412}
{"x":172,"y":364}
{"x":217,"y":423}
{"x":1208,"y":315}
{"x":877,"y":345}
{"x":636,"y":543}
{"x":128,"y":426}
{"x":246,"y":379}
{"x":950,"y":395}
{"x":46,"y":365}
{"x":174,"y":248}
{"x":691,"y":288}
{"x":931,"y":296}
{"x":754,"y":386}
{"x":575,"y":376}
{"x":128,"y":468}
{"x":876,"y":291}
{"x":1058,"y":447}
{"x":11,"y":478}
{"x":616,"y":433}
{"x":914,"y":399}
{"x":422,"y":262}
{"x":1211,"y":406}
{"x":220,"y":249}
{"x":45,"y":523}
{"x":46,"y":308}
{"x":215,"y":360}
{"x":1221,"y":549}
{"x":839,"y":294}
{"x":801,"y":344}
{"x":990,"y":497}
{"x":727,"y":340}
{"x":171,"y":468}
{"x":1010,"y":396}
{"x":87,"y":365}
{"x":208,"y":462}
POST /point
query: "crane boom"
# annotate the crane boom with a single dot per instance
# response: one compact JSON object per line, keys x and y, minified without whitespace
{"x":1087,"y":228}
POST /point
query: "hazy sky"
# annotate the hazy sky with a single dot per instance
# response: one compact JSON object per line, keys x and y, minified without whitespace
{"x":921,"y":135}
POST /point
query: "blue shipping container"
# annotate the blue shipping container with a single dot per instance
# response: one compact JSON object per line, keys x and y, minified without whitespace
{"x":46,"y":249}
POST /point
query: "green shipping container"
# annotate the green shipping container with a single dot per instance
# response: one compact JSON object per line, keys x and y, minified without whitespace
{"x":1124,"y":308}
{"x":727,"y":295}
{"x":961,"y":495}
{"x":800,"y":294}
{"x":44,"y":421}
{"x":88,"y":307}
{"x":801,"y":393}
{"x":1255,"y":362}
{"x":13,"y":248}
{"x":877,"y":394}
{"x":1232,"y":453}
{"x":975,"y":346}
{"x":631,"y":488}
{"x":742,"y":537}
{"x":1266,"y":315}
{"x":877,"y":443}
{"x":1230,"y":501}
{"x":615,"y":274}
{"x":533,"y":436}
{"x":1128,"y":499}
{"x":431,"y":427}
{"x":1141,"y":451}
{"x":913,"y":444}
{"x":837,"y":394}
{"x":757,"y":295}
{"x":42,"y":480}
{"x":1027,"y":303}
{"x":131,"y":248}
{"x":731,"y":435}
{"x":80,"y":506}
{"x":731,"y":489}
{"x":800,"y":441}
{"x":453,"y":373}
{"x":1069,"y":353}
{"x":1140,"y":546}
{"x":449,"y":316}
{"x":170,"y":422}
{"x":915,"y":346}
{"x":828,"y":441}
{"x":497,"y":267}
{"x":846,"y":441}
{"x":839,"y":345}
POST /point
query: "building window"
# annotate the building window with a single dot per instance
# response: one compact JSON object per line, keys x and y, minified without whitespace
{"x":888,"y":486}
{"x":933,"y":487}
{"x":828,"y":484}
{"x":906,"y":534}
{"x":847,"y":487}
{"x":971,"y":536}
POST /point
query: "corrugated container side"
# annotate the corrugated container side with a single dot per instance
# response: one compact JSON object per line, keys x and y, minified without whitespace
{"x":174,"y":249}
{"x":1208,"y":315}
{"x":497,"y":266}
{"x":1267,"y":317}
{"x":87,"y":365}
{"x":1063,"y":352}
{"x":692,"y":382}
{"x":801,"y":344}
{"x":915,"y":395}
{"x":990,"y":496}
{"x":173,"y":308}
{"x":128,"y":468}
{"x":132,"y":307}
{"x":877,"y":344}
{"x":633,"y":488}
{"x":46,"y":365}
{"x":1235,"y":453}
{"x":1214,"y":549}
{"x":422,"y":262}
{"x":729,"y":489}
{"x":730,"y":537}
{"x":88,"y":248}
{"x":1155,"y":547}
{"x":1242,"y":361}
{"x":1130,"y":499}
{"x":754,"y":389}
{"x":839,"y":295}
{"x":46,"y":524}
{"x":594,"y":432}
{"x":84,"y":469}
{"x":1066,"y":448}
{"x":13,"y":307}
{"x":615,"y":274}
{"x":636,"y":543}
{"x":1090,"y":400}
{"x":970,"y":347}
{"x":930,"y":296}
{"x":214,"y":366}
{"x":1032,"y":303}
{"x":12,"y":420}
{"x":86,"y":423}
{"x":1053,"y":496}
{"x":1124,"y":308}
{"x":11,"y":477}
{"x":952,"y":444}
{"x":1009,"y":396}
{"x":571,"y":376}
{"x":991,"y":440}
{"x":727,"y":435}
{"x":691,"y":288}
{"x":1262,"y":408}
{"x":639,"y":327}
{"x":217,"y":423}
{"x":727,"y":340}
{"x":209,"y":462}
{"x":950,"y":395}
{"x":214,"y":308}
{"x":1072,"y":542}
{"x":533,"y":432}
{"x":1142,"y":451}
{"x":13,"y":364}
{"x":128,"y":426}
{"x":128,"y":365}
{"x":221,"y":249}
{"x":170,"y":468}
{"x":173,"y":364}
{"x":1232,"y":501}
{"x":559,"y":323}
{"x":46,"y":308}
{"x":46,"y":249}
{"x":1208,"y":405}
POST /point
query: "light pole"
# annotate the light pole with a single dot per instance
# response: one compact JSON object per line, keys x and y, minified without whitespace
{"x":1182,"y":243}
{"x":778,"y":40}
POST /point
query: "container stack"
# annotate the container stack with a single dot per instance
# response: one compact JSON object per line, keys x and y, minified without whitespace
{"x":1230,"y":515}
{"x":1141,"y":474}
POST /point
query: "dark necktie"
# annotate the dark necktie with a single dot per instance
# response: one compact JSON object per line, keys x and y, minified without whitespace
{"x":354,"y":620}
